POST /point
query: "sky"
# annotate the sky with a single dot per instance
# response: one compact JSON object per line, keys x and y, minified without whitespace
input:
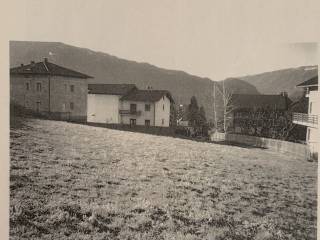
{"x":215,"y":39}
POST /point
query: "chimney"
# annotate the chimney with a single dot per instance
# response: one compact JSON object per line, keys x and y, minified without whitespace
{"x":21,"y":65}
{"x":284,"y":94}
{"x":32,"y":62}
{"x":45,"y":60}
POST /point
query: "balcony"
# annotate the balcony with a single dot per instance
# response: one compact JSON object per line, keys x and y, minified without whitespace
{"x":305,"y":119}
{"x":129,"y":112}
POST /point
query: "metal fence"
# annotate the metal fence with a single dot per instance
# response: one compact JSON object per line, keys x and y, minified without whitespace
{"x":305,"y":118}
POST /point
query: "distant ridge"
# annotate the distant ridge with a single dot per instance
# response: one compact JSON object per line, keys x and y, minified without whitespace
{"x":282,"y":80}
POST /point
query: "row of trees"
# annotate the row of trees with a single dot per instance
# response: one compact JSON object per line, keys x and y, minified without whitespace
{"x":256,"y":121}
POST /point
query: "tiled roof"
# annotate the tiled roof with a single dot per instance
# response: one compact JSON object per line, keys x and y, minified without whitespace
{"x":46,"y":68}
{"x":311,"y":82}
{"x":111,"y":89}
{"x":147,"y":95}
{"x":260,"y":101}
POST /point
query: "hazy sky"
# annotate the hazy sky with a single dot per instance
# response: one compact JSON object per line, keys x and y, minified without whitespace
{"x":215,"y":39}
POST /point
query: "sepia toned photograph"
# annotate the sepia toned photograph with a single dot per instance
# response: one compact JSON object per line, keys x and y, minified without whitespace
{"x":162,"y":120}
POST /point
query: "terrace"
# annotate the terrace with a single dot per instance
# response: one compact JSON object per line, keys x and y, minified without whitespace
{"x":305,"y":119}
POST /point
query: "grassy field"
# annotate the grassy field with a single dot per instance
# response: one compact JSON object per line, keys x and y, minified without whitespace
{"x":72,"y":181}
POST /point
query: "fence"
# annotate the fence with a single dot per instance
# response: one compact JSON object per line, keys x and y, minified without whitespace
{"x":305,"y":118}
{"x":163,"y":131}
{"x":297,"y":149}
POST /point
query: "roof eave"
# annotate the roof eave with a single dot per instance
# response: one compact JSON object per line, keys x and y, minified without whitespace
{"x":50,"y":74}
{"x":306,"y":86}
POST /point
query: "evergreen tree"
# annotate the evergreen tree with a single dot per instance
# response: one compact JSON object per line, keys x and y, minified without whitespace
{"x":193,"y":111}
{"x":202,"y":116}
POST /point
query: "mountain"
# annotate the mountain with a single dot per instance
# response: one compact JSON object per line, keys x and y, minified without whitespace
{"x":282,"y":80}
{"x":106,"y":68}
{"x":236,"y":85}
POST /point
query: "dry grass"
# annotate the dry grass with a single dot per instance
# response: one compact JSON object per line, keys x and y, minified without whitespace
{"x":71,"y":181}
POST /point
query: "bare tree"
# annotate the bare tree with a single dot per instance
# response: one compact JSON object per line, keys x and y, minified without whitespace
{"x":287,"y":126}
{"x":214,"y":106}
{"x":228,"y":106}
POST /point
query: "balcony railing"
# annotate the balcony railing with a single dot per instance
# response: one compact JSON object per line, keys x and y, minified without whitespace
{"x":305,"y":119}
{"x":130,"y":112}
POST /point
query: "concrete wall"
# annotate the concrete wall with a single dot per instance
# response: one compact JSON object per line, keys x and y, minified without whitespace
{"x":60,"y":94}
{"x":314,"y":100}
{"x":103,"y":108}
{"x":140,"y":119}
{"x":162,"y":112}
{"x":299,"y":150}
{"x":312,"y":137}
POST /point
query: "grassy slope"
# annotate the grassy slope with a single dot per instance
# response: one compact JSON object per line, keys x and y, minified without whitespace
{"x":71,"y":181}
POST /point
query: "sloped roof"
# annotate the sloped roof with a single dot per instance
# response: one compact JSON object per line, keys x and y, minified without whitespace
{"x":311,"y":82}
{"x":147,"y":95}
{"x":111,"y":89}
{"x":261,"y":101}
{"x":47,"y":68}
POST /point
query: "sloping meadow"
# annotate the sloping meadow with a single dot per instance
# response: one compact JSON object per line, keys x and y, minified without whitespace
{"x":71,"y":181}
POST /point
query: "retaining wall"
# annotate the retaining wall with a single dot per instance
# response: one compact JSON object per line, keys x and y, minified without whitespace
{"x":297,"y":149}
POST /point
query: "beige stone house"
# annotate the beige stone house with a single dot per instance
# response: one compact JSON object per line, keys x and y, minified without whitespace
{"x":50,"y":89}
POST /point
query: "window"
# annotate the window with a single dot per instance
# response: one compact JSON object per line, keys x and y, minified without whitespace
{"x":133,"y":108}
{"x":132,"y":121}
{"x":310,"y":107}
{"x":308,"y":134}
{"x":71,"y":106}
{"x":27,"y":86}
{"x":162,"y":121}
{"x":38,"y":106}
{"x":147,"y":107}
{"x":65,"y":87}
{"x":39,"y":87}
{"x":147,"y":122}
{"x":163,"y":107}
{"x":71,"y":88}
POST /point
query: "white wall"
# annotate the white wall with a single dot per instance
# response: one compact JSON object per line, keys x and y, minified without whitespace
{"x":314,"y":99}
{"x":312,"y":132}
{"x":161,"y":113}
{"x":103,"y":108}
{"x":140,"y":119}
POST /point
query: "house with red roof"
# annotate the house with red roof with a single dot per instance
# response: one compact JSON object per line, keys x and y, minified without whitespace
{"x":126,"y":104}
{"x":50,"y":89}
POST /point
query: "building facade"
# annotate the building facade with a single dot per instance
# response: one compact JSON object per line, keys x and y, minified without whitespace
{"x":104,"y":102}
{"x":50,"y":89}
{"x":125,"y":104}
{"x":310,"y":119}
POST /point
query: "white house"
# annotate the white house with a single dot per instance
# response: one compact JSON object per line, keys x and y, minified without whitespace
{"x":310,"y":119}
{"x":125,"y":104}
{"x":104,"y":102}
